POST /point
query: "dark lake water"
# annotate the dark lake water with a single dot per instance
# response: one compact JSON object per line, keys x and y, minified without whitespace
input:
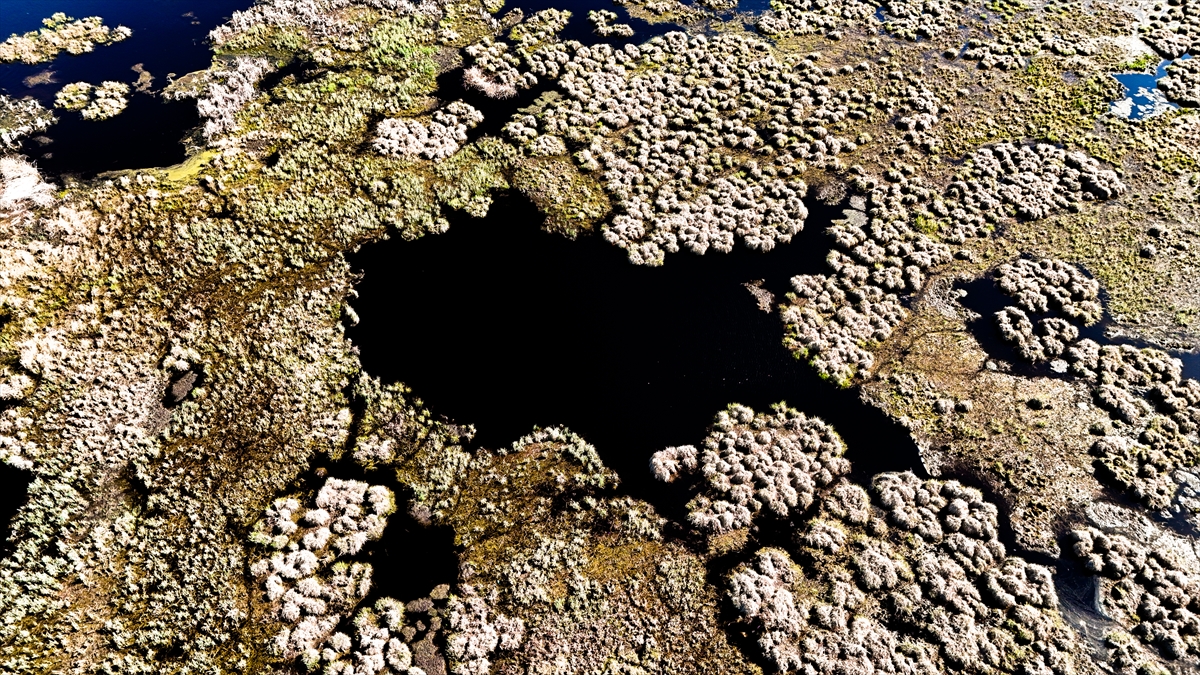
{"x":168,"y":37}
{"x":499,"y":324}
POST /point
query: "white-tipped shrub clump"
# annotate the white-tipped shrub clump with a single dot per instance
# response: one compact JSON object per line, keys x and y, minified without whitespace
{"x":668,"y":127}
{"x":377,"y":648}
{"x":228,"y":91}
{"x":1182,"y":83}
{"x":108,"y":100}
{"x":761,"y":593}
{"x":752,"y":463}
{"x":22,"y":186}
{"x":808,"y":17}
{"x":833,"y":319}
{"x":1045,"y":285}
{"x":61,"y":34}
{"x":1148,"y":584}
{"x":309,"y":589}
{"x":495,"y":71}
{"x":1029,"y":182}
{"x":74,"y":96}
{"x":911,"y":579}
{"x":475,"y":634}
{"x":438,"y":138}
{"x":20,"y":118}
{"x":1156,"y":415}
{"x":1173,"y":29}
{"x":92,"y":102}
{"x":602,"y":24}
{"x":1048,"y":340}
{"x":1156,"y":411}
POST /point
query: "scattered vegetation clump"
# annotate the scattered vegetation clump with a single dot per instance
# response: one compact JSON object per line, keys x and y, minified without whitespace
{"x":20,"y":118}
{"x":555,"y":564}
{"x":670,"y":138}
{"x":1172,"y":28}
{"x":808,"y":17}
{"x":109,"y":100}
{"x":751,"y":464}
{"x":74,"y":96}
{"x":1147,"y":585}
{"x":909,"y":576}
{"x":602,"y":24}
{"x":916,"y":20}
{"x":1048,"y":341}
{"x":228,"y":90}
{"x":92,"y":102}
{"x":494,"y":71}
{"x":1015,"y":49}
{"x":1182,"y":83}
{"x":440,"y":138}
{"x":1157,"y":410}
{"x":1043,"y":285}
{"x":1022,"y":181}
{"x":60,"y":34}
{"x":1142,"y":389}
{"x":307,"y":589}
{"x":833,"y":319}
{"x":909,"y":579}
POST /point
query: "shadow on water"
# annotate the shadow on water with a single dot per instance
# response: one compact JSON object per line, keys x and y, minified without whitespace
{"x":499,"y":324}
{"x":169,"y":37}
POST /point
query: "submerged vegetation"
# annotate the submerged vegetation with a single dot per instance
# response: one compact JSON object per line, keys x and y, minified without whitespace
{"x":216,"y":485}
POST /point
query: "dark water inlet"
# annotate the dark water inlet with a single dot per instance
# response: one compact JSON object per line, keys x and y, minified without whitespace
{"x":16,"y":488}
{"x":501,"y":325}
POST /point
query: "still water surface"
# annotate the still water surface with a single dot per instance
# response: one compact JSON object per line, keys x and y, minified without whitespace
{"x":169,"y":37}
